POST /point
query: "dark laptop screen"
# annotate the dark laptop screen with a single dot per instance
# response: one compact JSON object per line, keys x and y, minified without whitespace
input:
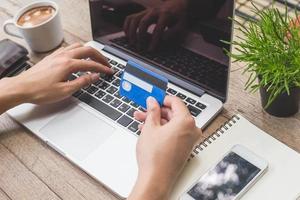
{"x":182,"y":37}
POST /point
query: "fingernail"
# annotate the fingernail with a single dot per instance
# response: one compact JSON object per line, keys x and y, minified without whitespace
{"x":150,"y":102}
{"x":95,"y":77}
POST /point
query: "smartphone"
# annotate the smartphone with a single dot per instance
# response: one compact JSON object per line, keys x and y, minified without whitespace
{"x":230,"y":178}
{"x":13,"y":58}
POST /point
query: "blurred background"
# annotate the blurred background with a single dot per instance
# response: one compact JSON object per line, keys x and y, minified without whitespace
{"x":244,"y":7}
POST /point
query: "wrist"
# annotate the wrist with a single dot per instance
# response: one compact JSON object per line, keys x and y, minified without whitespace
{"x":12,"y":93}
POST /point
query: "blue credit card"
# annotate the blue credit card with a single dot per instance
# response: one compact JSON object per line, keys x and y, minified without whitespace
{"x":138,"y":83}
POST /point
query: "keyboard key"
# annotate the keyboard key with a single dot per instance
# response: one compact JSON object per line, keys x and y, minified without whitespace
{"x":131,"y":112}
{"x":100,"y":106}
{"x":111,"y":90}
{"x":72,"y":77}
{"x":100,"y":94}
{"x":190,"y":100}
{"x":80,"y":73}
{"x":107,"y":77}
{"x":134,"y":126}
{"x":125,"y":99}
{"x":134,"y":105}
{"x":171,"y":91}
{"x":115,"y":69}
{"x":107,"y":98}
{"x":124,"y":107}
{"x":110,"y":79}
{"x":119,"y":74}
{"x":193,"y":110}
{"x":201,"y":106}
{"x":78,"y":93}
{"x":117,"y":94}
{"x":113,"y":62}
{"x":121,"y":66}
{"x":138,"y":133}
{"x":125,"y":121}
{"x":92,"y":90}
{"x":98,"y":82}
{"x":115,"y":103}
{"x":116,"y":83}
{"x":181,"y":96}
{"x":103,"y":85}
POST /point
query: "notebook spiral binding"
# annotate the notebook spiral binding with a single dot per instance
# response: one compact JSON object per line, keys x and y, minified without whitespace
{"x":220,"y":131}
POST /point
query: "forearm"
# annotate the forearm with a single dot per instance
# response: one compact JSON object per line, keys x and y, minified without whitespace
{"x":11,"y":94}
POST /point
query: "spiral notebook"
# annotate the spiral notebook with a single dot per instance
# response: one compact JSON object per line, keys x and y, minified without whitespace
{"x":280,"y":182}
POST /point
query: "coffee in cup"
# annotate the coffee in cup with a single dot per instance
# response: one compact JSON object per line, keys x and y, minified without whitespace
{"x":36,"y":16}
{"x":39,"y":24}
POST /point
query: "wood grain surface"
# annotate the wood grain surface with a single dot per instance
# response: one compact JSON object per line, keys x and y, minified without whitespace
{"x":29,"y":169}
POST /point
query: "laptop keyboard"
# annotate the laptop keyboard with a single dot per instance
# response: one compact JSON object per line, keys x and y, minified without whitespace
{"x":104,"y":97}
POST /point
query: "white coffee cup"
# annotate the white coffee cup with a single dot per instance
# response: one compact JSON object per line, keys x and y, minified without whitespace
{"x":42,"y":37}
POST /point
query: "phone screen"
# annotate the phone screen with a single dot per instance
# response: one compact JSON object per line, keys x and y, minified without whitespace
{"x":225,"y":180}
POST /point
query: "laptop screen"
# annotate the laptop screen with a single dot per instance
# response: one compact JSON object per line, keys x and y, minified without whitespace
{"x":181,"y":37}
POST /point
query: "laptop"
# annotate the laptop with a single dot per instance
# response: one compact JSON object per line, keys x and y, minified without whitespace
{"x":95,"y":128}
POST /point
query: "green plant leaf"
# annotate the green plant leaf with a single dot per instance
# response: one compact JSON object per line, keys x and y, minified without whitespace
{"x":270,"y":47}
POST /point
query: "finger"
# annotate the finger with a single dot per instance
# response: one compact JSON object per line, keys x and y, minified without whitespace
{"x":144,"y":24}
{"x":88,"y":65}
{"x":88,"y":52}
{"x":126,"y":25}
{"x":67,"y":48}
{"x":132,"y":31}
{"x":163,"y":121}
{"x":158,"y":31}
{"x":166,"y":113}
{"x":80,"y":82}
{"x":176,"y":105}
{"x":140,"y":126}
{"x":153,"y":112}
{"x":140,"y":116}
{"x":73,"y":46}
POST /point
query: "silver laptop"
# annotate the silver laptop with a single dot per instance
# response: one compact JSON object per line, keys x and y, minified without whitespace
{"x":95,"y":129}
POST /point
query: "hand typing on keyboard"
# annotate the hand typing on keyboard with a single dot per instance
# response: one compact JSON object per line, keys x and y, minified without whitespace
{"x":46,"y":82}
{"x":167,"y":138}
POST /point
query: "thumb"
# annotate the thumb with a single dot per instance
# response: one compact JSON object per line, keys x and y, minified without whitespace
{"x":153,"y":112}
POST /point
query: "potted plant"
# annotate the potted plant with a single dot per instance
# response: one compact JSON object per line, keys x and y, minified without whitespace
{"x":270,"y":47}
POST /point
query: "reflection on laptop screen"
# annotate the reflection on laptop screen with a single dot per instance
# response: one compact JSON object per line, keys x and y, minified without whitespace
{"x":182,"y":37}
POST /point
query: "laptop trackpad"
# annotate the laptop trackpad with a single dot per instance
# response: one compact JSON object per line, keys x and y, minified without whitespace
{"x":77,"y":132}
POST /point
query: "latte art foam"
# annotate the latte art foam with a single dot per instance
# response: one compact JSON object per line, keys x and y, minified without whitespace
{"x":36,"y":16}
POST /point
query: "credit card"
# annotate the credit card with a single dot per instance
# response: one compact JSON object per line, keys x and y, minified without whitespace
{"x":138,"y":83}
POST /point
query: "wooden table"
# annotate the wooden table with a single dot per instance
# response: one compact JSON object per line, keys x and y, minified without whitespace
{"x":29,"y":169}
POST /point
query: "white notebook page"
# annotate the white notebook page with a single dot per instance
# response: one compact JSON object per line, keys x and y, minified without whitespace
{"x":280,"y":182}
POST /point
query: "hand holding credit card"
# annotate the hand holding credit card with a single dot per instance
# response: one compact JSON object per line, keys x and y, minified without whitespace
{"x":138,"y":83}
